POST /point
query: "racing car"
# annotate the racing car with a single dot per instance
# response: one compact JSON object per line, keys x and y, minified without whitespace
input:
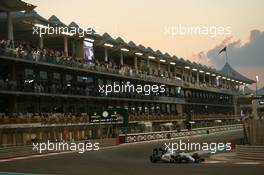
{"x":163,"y":155}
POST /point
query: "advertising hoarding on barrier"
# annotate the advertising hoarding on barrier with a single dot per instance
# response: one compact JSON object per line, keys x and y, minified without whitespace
{"x":141,"y":137}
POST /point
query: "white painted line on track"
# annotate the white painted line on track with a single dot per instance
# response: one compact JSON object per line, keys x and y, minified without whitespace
{"x":247,"y":163}
{"x":49,"y":154}
{"x":213,"y":161}
{"x":34,"y":156}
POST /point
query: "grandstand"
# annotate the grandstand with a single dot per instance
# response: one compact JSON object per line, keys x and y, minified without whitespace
{"x":49,"y":84}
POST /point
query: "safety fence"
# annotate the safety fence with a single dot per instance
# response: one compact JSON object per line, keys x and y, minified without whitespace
{"x":250,"y":152}
{"x":141,"y":137}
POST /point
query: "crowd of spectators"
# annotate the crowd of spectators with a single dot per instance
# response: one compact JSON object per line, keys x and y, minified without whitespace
{"x":69,"y":118}
{"x":47,"y":118}
{"x":26,"y":50}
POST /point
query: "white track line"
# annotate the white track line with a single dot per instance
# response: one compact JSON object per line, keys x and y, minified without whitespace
{"x":34,"y":156}
{"x":50,"y":154}
{"x":213,"y":161}
{"x":247,"y":163}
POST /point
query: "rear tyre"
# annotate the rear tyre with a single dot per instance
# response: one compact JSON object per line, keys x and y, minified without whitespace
{"x":173,"y":159}
{"x":179,"y":159}
{"x":153,"y":159}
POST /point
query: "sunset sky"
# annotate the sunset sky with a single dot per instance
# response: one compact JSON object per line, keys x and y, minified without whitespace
{"x":145,"y":22}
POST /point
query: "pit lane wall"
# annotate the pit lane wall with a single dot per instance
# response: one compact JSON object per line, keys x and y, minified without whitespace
{"x":151,"y":136}
{"x":28,"y":150}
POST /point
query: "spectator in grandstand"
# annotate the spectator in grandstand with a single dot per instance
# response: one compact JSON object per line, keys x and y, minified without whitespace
{"x":24,"y":49}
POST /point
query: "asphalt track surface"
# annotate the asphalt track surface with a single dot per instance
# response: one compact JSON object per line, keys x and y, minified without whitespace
{"x":129,"y":159}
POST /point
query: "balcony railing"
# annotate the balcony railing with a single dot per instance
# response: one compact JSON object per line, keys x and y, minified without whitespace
{"x":35,"y":88}
{"x":74,"y":119}
{"x":126,"y":73}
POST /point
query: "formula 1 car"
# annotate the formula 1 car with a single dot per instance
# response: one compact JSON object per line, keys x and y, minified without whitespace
{"x":163,"y":155}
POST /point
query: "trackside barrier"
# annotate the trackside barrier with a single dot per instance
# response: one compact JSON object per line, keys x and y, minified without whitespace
{"x":141,"y":137}
{"x":250,"y":152}
{"x":20,"y":151}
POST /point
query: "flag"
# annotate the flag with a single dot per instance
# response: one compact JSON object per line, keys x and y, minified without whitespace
{"x":223,"y":50}
{"x":257,"y":78}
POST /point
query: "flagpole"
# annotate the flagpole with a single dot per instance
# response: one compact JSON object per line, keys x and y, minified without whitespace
{"x":257,"y":79}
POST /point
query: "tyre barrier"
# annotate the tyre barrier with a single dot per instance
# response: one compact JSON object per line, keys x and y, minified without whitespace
{"x":141,"y":137}
{"x":250,"y":152}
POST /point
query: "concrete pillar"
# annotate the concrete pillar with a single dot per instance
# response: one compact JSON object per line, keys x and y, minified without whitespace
{"x":197,"y":77}
{"x":121,"y":58}
{"x":40,"y":135}
{"x":79,"y":49}
{"x":65,"y":39}
{"x":158,"y":65}
{"x":235,"y":105}
{"x":179,"y":109}
{"x":190,"y":74}
{"x":10,"y":27}
{"x":60,"y":136}
{"x":106,"y":55}
{"x":185,"y":76}
{"x":41,"y":43}
{"x":175,"y":71}
{"x":169,"y":72}
{"x":148,"y":62}
{"x":135,"y":62}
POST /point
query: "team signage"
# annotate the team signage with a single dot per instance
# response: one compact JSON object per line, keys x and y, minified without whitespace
{"x":105,"y":116}
{"x":109,"y":116}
